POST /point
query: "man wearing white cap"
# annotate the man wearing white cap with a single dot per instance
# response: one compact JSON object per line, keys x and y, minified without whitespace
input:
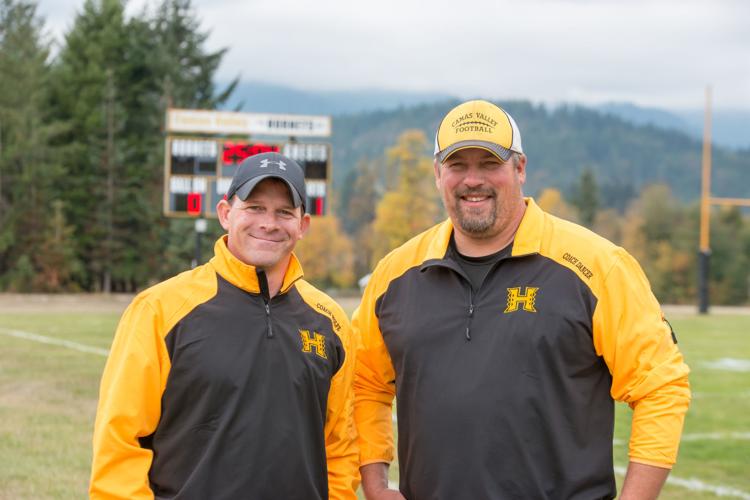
{"x":508,"y":334}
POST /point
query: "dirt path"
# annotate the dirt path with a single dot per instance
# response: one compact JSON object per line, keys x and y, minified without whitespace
{"x":57,"y":303}
{"x":689,"y":310}
{"x":60,"y":303}
{"x":83,"y":303}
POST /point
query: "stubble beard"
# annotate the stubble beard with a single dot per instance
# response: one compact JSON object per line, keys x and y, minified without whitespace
{"x":476,"y":223}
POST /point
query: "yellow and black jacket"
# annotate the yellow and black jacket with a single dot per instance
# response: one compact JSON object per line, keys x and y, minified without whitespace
{"x":507,"y":391}
{"x":213,"y":391}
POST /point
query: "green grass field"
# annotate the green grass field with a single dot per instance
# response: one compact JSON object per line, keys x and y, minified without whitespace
{"x":48,"y":396}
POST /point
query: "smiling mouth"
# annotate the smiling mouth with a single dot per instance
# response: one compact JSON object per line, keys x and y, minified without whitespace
{"x":475,"y":199}
{"x":268,"y":240}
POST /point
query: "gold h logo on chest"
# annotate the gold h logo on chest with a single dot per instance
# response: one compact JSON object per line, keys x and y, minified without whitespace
{"x":317,"y":342}
{"x":525,"y":300}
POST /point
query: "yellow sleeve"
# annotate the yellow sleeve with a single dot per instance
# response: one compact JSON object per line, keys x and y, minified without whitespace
{"x":647,"y":367}
{"x":129,"y":406}
{"x":341,"y":435}
{"x":374,"y":383}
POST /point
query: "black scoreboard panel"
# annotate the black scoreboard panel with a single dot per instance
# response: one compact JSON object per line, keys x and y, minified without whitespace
{"x":193,"y":157}
{"x":313,"y":158}
{"x":191,"y":195}
{"x":198,"y":172}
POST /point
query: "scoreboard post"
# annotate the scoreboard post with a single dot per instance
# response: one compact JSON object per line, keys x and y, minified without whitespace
{"x":204,"y":148}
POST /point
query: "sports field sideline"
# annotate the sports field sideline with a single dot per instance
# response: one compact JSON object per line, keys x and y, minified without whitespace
{"x":54,"y":349}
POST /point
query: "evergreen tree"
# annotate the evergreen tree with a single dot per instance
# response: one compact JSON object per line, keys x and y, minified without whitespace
{"x":90,"y":90}
{"x":186,"y":70}
{"x":113,"y":83}
{"x":730,"y":262}
{"x":54,"y":255}
{"x":360,"y":214}
{"x":363,"y":194}
{"x":29,"y":169}
{"x":586,"y":198}
{"x":185,"y":73}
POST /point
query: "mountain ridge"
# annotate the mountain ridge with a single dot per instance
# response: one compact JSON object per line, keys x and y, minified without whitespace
{"x":624,"y":152}
{"x":560,"y":143}
{"x":731,"y":128}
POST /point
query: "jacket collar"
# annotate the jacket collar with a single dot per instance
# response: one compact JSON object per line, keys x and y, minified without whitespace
{"x":527,"y":240}
{"x":245,"y":276}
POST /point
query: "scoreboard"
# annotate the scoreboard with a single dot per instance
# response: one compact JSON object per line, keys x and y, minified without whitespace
{"x":199,"y":169}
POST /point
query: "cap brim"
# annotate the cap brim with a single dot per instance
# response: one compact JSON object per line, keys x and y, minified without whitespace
{"x":497,"y":150}
{"x":245,"y":189}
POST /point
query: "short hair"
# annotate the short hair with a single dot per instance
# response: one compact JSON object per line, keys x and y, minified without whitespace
{"x":516,"y":157}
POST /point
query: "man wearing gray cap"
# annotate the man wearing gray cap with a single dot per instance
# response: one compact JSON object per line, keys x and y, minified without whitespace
{"x":233,"y":380}
{"x":508,"y":334}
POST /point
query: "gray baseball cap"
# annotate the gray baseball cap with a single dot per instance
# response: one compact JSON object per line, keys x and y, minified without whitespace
{"x":254,"y":169}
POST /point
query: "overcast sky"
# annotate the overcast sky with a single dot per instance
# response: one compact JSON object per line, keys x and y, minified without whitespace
{"x":651,"y":53}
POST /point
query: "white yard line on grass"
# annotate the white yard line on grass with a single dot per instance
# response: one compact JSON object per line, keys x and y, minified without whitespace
{"x":691,"y":484}
{"x":698,"y":485}
{"x":716,"y":395}
{"x":35,"y":337}
{"x":729,"y":364}
{"x":719,"y":436}
{"x":704,"y":436}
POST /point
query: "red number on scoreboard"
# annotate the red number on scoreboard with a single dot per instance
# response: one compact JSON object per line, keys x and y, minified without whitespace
{"x":236,"y":152}
{"x":194,"y":203}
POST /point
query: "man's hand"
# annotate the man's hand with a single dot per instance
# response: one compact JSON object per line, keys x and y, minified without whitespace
{"x":643,"y":482}
{"x":375,"y":483}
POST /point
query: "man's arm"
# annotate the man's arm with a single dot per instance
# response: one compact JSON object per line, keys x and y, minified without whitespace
{"x":374,"y":390}
{"x":375,"y":483}
{"x":643,"y":482}
{"x":374,"y":387}
{"x":129,"y":407}
{"x":341,"y":437}
{"x":648,"y":370}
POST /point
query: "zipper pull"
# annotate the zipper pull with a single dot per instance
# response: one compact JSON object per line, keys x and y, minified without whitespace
{"x":269,"y":334}
{"x":471,"y":313}
{"x":263,"y":285}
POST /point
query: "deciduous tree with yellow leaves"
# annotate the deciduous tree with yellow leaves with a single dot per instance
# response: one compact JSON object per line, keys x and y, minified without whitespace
{"x":326,"y":254}
{"x":413,"y":204}
{"x":551,"y":200}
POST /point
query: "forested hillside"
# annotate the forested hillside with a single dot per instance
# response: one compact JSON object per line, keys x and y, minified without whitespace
{"x":560,"y":143}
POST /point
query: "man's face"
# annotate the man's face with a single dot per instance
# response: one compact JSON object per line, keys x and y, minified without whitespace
{"x":480,"y":191}
{"x":264,"y":228}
